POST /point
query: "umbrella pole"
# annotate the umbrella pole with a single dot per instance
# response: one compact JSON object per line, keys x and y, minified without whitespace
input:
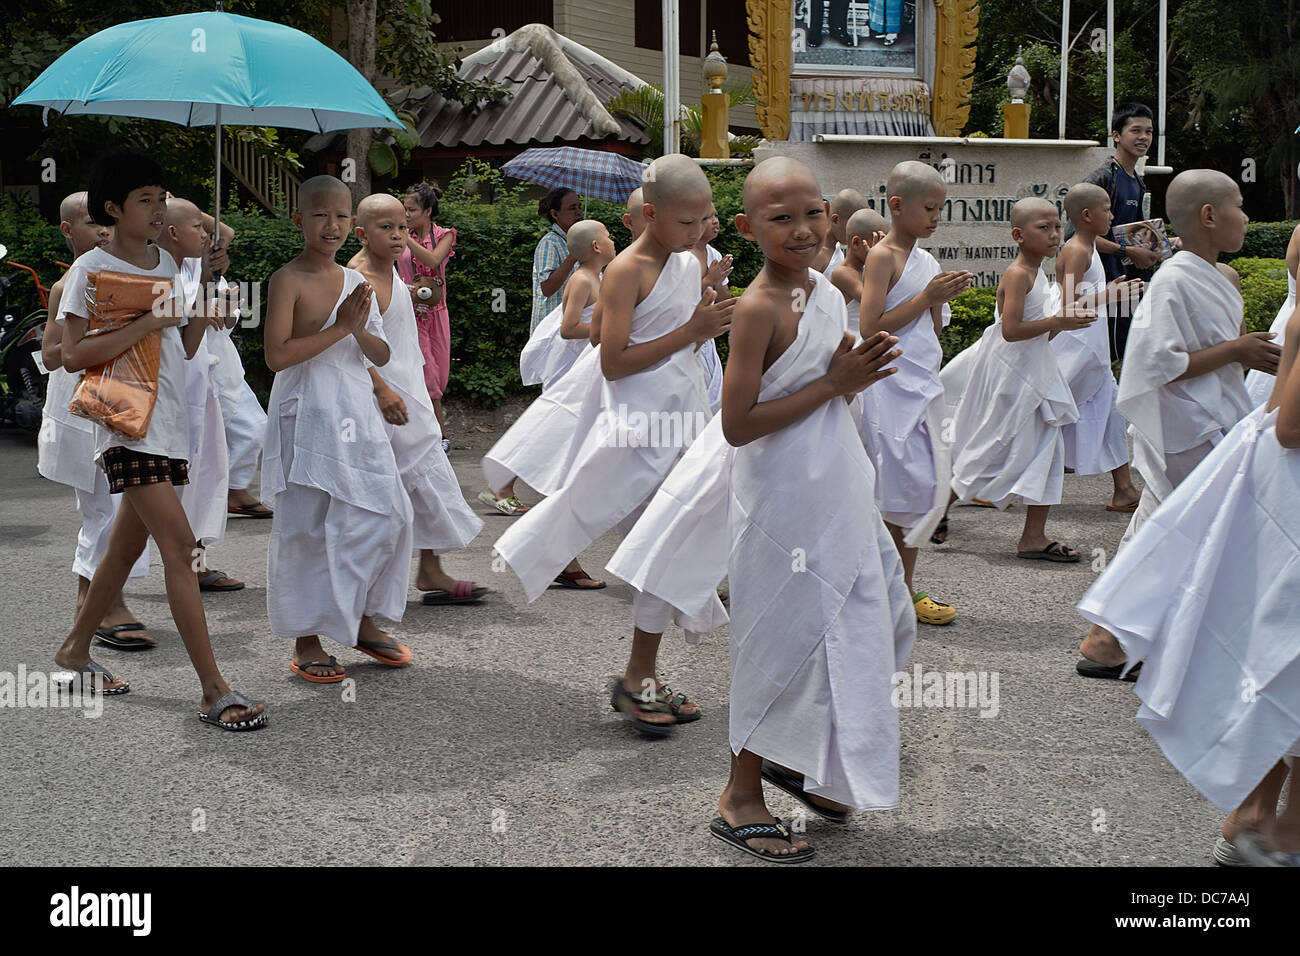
{"x":216,"y":192}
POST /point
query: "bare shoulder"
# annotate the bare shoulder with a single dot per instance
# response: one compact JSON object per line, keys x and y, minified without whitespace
{"x":1229,"y":273}
{"x":1016,"y":277}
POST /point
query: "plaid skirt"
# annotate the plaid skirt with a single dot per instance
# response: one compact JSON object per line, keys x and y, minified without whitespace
{"x":130,"y":469}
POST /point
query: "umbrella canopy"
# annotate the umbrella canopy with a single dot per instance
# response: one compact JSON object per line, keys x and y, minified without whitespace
{"x":588,"y":172}
{"x":201,"y":69}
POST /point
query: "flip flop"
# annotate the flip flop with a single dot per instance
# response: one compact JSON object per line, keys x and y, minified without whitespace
{"x":462,"y":592}
{"x":632,"y":706}
{"x":301,"y":671}
{"x":1087,"y":668}
{"x":736,"y":836}
{"x":206,"y":582}
{"x":367,"y":647}
{"x":1053,"y":552}
{"x":570,"y":579}
{"x":792,"y":784}
{"x":250,"y":511}
{"x":940,"y":529}
{"x":109,"y":637}
{"x":90,"y":670}
{"x":233,"y":699}
{"x":507,"y":506}
{"x":1128,"y":510}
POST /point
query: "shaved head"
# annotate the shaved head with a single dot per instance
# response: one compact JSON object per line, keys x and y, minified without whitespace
{"x":864,"y":223}
{"x":846,"y":203}
{"x":911,"y":179}
{"x":635,"y":202}
{"x":73,"y":205}
{"x":674,"y":177}
{"x":313,"y":189}
{"x":1030,"y":208}
{"x":581,"y":235}
{"x":180,"y":211}
{"x":376,"y":203}
{"x":1084,"y":196}
{"x":1192,"y":190}
{"x":774,"y":176}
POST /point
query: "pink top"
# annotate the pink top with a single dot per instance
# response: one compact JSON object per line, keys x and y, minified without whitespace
{"x":410,"y":268}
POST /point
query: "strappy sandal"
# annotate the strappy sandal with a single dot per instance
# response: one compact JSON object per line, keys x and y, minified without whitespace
{"x":208,"y":582}
{"x":676,"y":701}
{"x":631,"y":705}
{"x":109,"y":637}
{"x":736,"y":836}
{"x":507,"y":506}
{"x":301,"y":670}
{"x":1053,"y":552}
{"x":462,"y":592}
{"x":90,"y":670}
{"x":792,"y":783}
{"x":369,"y":647}
{"x":570,"y":579}
{"x":233,"y":699}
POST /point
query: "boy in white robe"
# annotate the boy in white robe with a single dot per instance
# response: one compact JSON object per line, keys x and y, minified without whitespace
{"x":1182,"y":386}
{"x":1204,"y":593}
{"x":864,"y":230}
{"x":340,"y":547}
{"x":905,"y":293}
{"x":715,"y":267}
{"x":653,"y":321}
{"x":840,"y":207}
{"x":1007,"y":441}
{"x":205,"y":497}
{"x":821,"y":617}
{"x":1096,"y":443}
{"x":65,"y":447}
{"x":1260,"y":384}
{"x":443,"y":519}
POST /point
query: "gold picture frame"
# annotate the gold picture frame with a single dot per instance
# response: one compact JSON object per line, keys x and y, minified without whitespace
{"x":771,"y":53}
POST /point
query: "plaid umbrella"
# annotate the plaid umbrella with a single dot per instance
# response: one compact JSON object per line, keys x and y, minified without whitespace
{"x":588,"y":172}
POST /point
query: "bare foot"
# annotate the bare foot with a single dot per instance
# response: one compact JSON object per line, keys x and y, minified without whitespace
{"x":638,"y":685}
{"x":119,"y":613}
{"x":1243,"y":819}
{"x":1100,"y":647}
{"x":242,"y":499}
{"x":739,"y":814}
{"x":372,"y":635}
{"x":580,"y":578}
{"x":222,"y":582}
{"x":430,"y":576}
{"x":1125,"y":499}
{"x":68,"y":660}
{"x":309,"y":649}
{"x":232,"y":714}
{"x":1040,"y":543}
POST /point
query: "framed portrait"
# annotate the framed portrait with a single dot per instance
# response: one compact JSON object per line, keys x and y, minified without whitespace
{"x":846,"y":37}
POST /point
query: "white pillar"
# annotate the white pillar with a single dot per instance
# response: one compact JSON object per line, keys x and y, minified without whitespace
{"x":1065,"y":56}
{"x":672,"y":66}
{"x":1110,"y":66}
{"x":1164,"y":67}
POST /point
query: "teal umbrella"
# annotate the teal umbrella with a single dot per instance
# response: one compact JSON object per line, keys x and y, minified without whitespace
{"x":205,"y":69}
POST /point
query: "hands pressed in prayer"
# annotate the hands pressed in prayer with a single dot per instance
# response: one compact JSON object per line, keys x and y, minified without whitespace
{"x":853,"y":369}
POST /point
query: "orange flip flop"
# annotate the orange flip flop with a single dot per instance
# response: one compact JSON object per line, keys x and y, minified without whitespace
{"x":301,"y":671}
{"x":366,"y":647}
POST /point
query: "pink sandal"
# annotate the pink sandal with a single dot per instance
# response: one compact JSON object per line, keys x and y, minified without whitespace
{"x":462,"y":592}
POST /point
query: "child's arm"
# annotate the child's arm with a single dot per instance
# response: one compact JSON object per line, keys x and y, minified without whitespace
{"x":714,"y":275}
{"x":81,"y":351}
{"x":374,"y":347}
{"x":1013,"y":288}
{"x":875,"y":282}
{"x":1286,"y":391}
{"x":435,"y":257}
{"x":745,"y":418}
{"x":618,"y":359}
{"x":280,"y":347}
{"x":846,"y":279}
{"x":52,"y":336}
{"x":390,"y":403}
{"x":577,"y":296}
{"x":1253,"y":350}
{"x":594,"y":333}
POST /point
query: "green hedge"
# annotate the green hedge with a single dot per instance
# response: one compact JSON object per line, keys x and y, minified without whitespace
{"x":1265,"y":240}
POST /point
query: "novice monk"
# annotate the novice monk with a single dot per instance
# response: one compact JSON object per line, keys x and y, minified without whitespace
{"x":1096,"y":443}
{"x":864,"y":230}
{"x":905,"y":293}
{"x":443,"y":520}
{"x":844,"y":204}
{"x":815,"y":637}
{"x":1007,"y":441}
{"x":1260,"y":384}
{"x":65,"y":448}
{"x":340,"y":547}
{"x":1181,"y":387}
{"x":126,"y":191}
{"x":1204,"y":593}
{"x":715,"y":267}
{"x":561,"y":338}
{"x":652,"y":325}
{"x":205,"y":498}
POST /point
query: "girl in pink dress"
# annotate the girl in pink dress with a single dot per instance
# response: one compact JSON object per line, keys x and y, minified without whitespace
{"x":428,"y":247}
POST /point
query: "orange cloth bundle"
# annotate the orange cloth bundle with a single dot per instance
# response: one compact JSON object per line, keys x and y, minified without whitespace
{"x":120,"y":394}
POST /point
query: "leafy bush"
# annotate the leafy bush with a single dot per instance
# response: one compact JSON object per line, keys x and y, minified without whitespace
{"x":972,"y":313}
{"x":1264,"y":295}
{"x":33,"y":242}
{"x":1253,"y":265}
{"x":1267,"y":240}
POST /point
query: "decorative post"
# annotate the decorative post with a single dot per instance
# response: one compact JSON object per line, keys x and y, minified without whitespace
{"x":713,"y":140}
{"x":1015,"y":115}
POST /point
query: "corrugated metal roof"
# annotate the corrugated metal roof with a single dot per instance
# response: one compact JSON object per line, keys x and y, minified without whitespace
{"x":538,"y":109}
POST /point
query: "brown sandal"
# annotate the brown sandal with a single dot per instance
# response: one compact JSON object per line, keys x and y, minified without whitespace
{"x":570,"y":579}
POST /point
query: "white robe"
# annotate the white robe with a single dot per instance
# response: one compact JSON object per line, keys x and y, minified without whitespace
{"x":443,"y":519}
{"x":205,"y":497}
{"x":837,"y":256}
{"x":241,"y":412}
{"x":1259,"y":385}
{"x":639,"y":426}
{"x":1189,"y":306}
{"x":1205,"y":594}
{"x":1096,"y":443}
{"x":821,"y":616}
{"x":65,"y":452}
{"x":708,"y":353}
{"x":547,"y":356}
{"x":1007,"y":442}
{"x":341,"y":536}
{"x":903,"y":415}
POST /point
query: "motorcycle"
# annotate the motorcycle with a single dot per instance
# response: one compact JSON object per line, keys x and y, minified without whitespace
{"x":22,"y":374}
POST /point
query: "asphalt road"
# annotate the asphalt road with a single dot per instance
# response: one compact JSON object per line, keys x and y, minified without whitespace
{"x":497,"y":744}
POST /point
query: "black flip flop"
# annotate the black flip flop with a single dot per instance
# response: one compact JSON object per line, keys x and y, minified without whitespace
{"x":736,"y":836}
{"x":1053,"y":552}
{"x":793,"y":784}
{"x":217,"y":576}
{"x":940,"y":529}
{"x":109,"y":636}
{"x":250,"y":511}
{"x":1087,"y":668}
{"x":630,"y":705}
{"x":438,"y":597}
